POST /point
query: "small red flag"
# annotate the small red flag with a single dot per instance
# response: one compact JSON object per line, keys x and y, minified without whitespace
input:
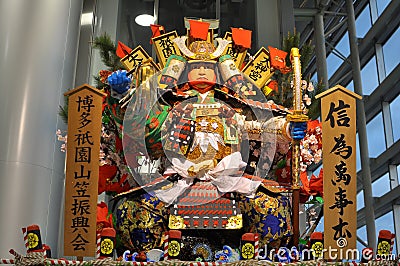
{"x":156,"y":30}
{"x":199,"y":29}
{"x":277,"y":58}
{"x":122,"y":50}
{"x":241,"y":37}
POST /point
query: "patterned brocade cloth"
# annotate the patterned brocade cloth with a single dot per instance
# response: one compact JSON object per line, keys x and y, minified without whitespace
{"x":269,"y":216}
{"x":141,"y":222}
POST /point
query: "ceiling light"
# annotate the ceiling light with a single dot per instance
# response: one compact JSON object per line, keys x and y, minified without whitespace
{"x":87,"y":18}
{"x":144,"y":20}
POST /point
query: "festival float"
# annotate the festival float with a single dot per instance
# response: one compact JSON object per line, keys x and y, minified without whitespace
{"x":205,"y":152}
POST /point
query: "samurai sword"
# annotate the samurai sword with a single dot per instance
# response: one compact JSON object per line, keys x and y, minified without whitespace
{"x":296,"y":116}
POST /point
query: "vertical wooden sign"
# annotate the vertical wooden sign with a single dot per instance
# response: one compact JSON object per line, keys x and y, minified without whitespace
{"x":82,"y":170}
{"x":165,"y":47}
{"x":136,"y":57}
{"x":340,"y":178}
{"x":259,"y":69}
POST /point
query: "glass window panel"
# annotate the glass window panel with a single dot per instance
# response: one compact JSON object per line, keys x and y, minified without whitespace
{"x":333,"y":62}
{"x":391,"y":52}
{"x":395,"y":115}
{"x":398,"y":173}
{"x":382,"y":4}
{"x":369,"y":76}
{"x":317,"y":171}
{"x":350,"y":86}
{"x":362,"y":234}
{"x":320,"y":226}
{"x":343,"y":45}
{"x":360,"y":200}
{"x":376,"y":138}
{"x":381,"y":186}
{"x":363,"y":22}
{"x":385,"y":222}
{"x":314,"y":77}
{"x":358,"y":156}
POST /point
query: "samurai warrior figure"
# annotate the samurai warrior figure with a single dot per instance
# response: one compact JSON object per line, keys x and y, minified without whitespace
{"x":212,"y":133}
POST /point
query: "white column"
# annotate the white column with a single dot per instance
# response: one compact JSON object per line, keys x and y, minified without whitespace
{"x":38,"y":48}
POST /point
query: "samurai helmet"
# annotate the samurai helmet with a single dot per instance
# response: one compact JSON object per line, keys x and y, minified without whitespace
{"x":201,"y":50}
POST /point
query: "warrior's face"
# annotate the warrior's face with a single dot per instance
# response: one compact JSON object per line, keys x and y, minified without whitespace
{"x":202,"y":75}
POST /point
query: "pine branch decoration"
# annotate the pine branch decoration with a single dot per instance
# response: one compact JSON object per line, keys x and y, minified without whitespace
{"x":63,"y":110}
{"x":107,"y":52}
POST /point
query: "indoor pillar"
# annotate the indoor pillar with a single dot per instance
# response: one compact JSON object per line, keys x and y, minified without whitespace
{"x":361,"y":126}
{"x":38,"y":51}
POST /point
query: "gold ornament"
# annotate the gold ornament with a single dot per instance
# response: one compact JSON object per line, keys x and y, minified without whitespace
{"x":317,"y":248}
{"x":33,"y":240}
{"x":174,"y":248}
{"x":107,"y":246}
{"x":383,"y":248}
{"x":248,"y":251}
